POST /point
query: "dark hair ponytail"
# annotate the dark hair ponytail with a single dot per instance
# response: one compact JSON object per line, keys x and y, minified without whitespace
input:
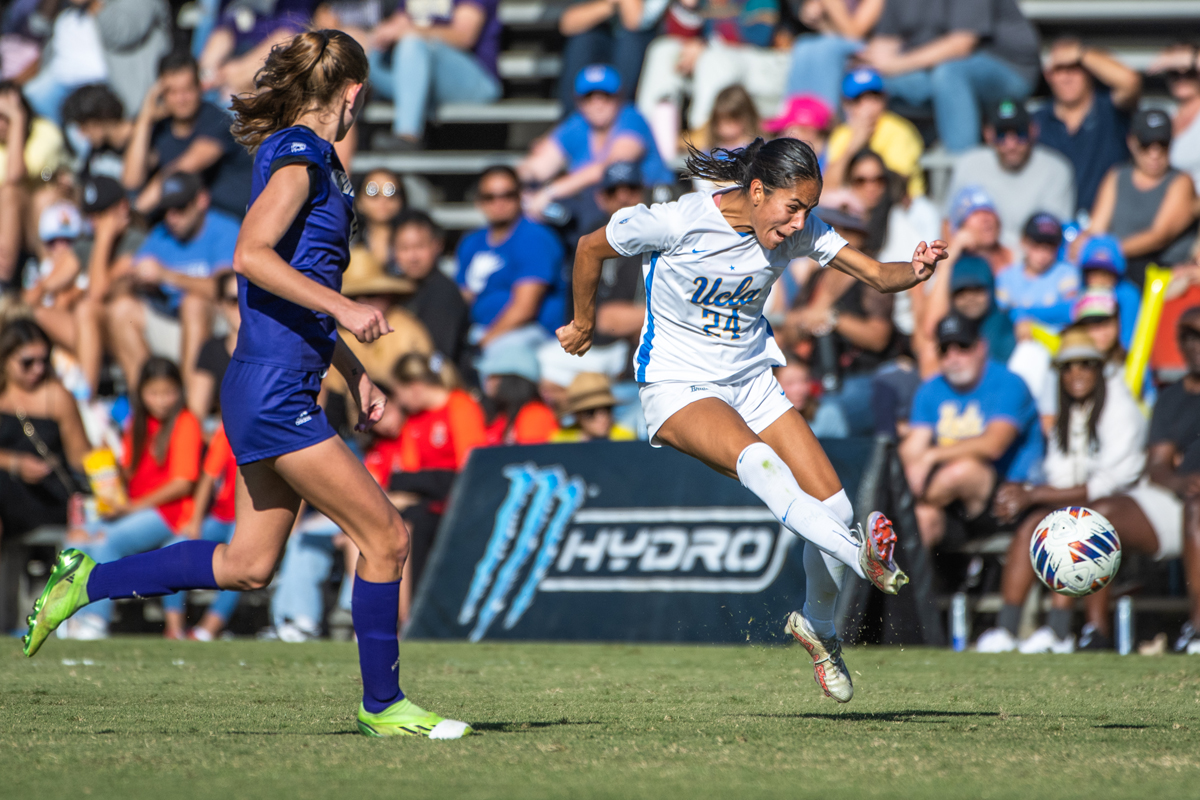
{"x":778,"y":163}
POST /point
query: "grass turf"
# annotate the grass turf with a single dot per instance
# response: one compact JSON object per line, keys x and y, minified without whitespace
{"x":142,"y":717}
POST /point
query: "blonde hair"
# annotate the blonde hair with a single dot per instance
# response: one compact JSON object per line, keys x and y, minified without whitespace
{"x":307,"y":72}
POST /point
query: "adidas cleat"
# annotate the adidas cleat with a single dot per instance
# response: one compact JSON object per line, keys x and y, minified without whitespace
{"x":406,"y":718}
{"x":65,"y":593}
{"x":828,"y":667}
{"x":876,"y":555}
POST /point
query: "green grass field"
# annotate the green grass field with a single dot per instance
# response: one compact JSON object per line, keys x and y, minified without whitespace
{"x":141,"y":717}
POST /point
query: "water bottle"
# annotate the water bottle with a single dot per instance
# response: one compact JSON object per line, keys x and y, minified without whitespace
{"x":1124,"y":625}
{"x":958,"y":622}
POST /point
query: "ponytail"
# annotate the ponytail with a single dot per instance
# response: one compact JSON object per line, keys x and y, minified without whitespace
{"x":778,"y":163}
{"x":306,"y":73}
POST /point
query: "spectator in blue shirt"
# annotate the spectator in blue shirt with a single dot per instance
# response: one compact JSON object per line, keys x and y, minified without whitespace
{"x":511,"y":271}
{"x":1041,"y":288}
{"x":602,"y":131}
{"x":971,"y":428}
{"x":1094,"y":95}
{"x":1103,"y":266}
{"x":164,"y":304}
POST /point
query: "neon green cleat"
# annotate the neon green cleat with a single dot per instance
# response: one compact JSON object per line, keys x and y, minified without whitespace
{"x":406,"y":718}
{"x":65,"y":593}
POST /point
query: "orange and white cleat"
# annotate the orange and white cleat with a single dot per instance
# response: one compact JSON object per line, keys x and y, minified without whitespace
{"x":828,"y":667}
{"x":876,"y":555}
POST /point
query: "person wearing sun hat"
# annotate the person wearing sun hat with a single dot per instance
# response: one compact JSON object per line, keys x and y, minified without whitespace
{"x":1103,"y":267}
{"x":591,"y":402}
{"x":869,"y":124}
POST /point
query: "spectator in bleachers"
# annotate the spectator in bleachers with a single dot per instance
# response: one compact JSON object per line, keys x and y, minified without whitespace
{"x":379,"y":202}
{"x":436,"y":302}
{"x":441,"y":428}
{"x":1021,"y":176}
{"x":515,"y":411}
{"x":819,"y":58}
{"x":178,"y":131}
{"x":1102,"y":265}
{"x":973,"y":294}
{"x":1040,"y":288}
{"x":204,"y":388}
{"x":245,"y":33}
{"x":94,"y":118}
{"x":134,"y":34}
{"x":709,"y":45}
{"x":1097,"y":447}
{"x":796,"y":380}
{"x":165,"y":306}
{"x":160,"y":463}
{"x":958,"y":56}
{"x":602,"y":131}
{"x":213,"y":516}
{"x":1147,"y":204}
{"x":971,"y":428}
{"x":1179,"y":65}
{"x":441,"y":52}
{"x":35,"y":485}
{"x":804,"y":117}
{"x":869,"y":124}
{"x":974,"y":227}
{"x":511,"y":271}
{"x":37,"y":138}
{"x":1094,"y":94}
{"x":72,"y":57}
{"x":734,"y":121}
{"x":590,"y":401}
{"x":613,"y":32}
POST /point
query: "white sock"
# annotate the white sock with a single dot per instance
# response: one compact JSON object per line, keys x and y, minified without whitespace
{"x":840,"y":505}
{"x":824,"y":574}
{"x":763,"y":472}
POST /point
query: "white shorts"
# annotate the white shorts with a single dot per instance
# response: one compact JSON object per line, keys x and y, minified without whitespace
{"x":759,"y":400}
{"x":1165,"y":512}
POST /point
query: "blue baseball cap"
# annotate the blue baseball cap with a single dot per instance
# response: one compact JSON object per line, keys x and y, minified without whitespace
{"x":969,"y":200}
{"x":860,"y":81}
{"x":1103,"y":252}
{"x":597,"y":78}
{"x":971,"y":272}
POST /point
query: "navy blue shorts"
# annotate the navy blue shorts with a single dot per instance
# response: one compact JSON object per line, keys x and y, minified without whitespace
{"x":269,"y":411}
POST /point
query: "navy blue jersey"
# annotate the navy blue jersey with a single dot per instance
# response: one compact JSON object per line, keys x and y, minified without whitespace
{"x":275,"y":331}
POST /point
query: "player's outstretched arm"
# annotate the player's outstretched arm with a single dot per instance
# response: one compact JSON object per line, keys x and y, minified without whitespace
{"x":576,"y":336}
{"x":268,"y":219}
{"x":891,"y":276}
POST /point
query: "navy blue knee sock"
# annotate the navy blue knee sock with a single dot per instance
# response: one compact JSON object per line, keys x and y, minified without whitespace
{"x":187,"y":565}
{"x":375,"y":608}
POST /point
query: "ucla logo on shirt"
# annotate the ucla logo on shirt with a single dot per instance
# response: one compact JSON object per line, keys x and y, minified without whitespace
{"x":706,"y":295}
{"x":956,"y":423}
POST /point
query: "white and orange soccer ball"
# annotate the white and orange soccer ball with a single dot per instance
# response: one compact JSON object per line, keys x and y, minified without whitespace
{"x":1075,"y":551}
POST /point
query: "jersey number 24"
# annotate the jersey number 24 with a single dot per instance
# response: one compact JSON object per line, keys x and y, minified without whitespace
{"x":732,"y":323}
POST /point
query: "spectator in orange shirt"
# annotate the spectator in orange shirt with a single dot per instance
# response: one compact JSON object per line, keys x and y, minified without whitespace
{"x":516,"y":413}
{"x":442,"y":426}
{"x":161,"y":463}
{"x":212,"y":520}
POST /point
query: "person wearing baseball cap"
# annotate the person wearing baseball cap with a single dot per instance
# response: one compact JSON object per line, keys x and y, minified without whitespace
{"x":1102,"y":265}
{"x":805,"y":117}
{"x":973,"y":294}
{"x":1021,"y":176}
{"x":1147,"y":205}
{"x":869,"y":124}
{"x":972,"y":428}
{"x":972,"y":219}
{"x":602,"y":130}
{"x":1040,"y":288}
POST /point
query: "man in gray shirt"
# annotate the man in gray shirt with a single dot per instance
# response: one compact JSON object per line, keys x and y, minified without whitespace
{"x":1022,"y":176}
{"x":958,"y":55}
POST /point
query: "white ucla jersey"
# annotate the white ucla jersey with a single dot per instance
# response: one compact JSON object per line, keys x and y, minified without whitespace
{"x":705,"y":288}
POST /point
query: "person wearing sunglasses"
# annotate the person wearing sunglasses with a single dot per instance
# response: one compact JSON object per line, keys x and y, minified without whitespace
{"x":1094,"y":96}
{"x":379,"y":202}
{"x":41,"y":434}
{"x":1021,"y":176}
{"x":1179,"y":66}
{"x":972,"y":428}
{"x":590,"y":402}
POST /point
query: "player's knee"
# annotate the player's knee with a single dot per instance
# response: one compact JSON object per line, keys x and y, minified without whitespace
{"x":247,"y":575}
{"x":389,"y":543}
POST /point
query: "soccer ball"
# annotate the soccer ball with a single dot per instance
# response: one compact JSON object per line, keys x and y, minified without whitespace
{"x":1075,"y":551}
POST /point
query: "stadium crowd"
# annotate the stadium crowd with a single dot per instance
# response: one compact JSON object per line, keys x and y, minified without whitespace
{"x":1003,"y":380}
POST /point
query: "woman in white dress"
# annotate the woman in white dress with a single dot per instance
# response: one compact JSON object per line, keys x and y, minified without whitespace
{"x":705,"y":356}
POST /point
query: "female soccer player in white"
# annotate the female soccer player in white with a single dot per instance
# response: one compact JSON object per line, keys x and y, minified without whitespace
{"x":706,"y":352}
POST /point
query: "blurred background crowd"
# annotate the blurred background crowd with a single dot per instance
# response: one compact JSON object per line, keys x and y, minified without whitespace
{"x":1054,"y":359}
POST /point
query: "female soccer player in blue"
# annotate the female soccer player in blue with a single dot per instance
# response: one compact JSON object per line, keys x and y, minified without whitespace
{"x":706,"y":352}
{"x":293,"y":247}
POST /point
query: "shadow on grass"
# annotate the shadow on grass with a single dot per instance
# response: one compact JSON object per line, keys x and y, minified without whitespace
{"x":517,"y":727}
{"x":883,"y":716}
{"x":1119,"y":727}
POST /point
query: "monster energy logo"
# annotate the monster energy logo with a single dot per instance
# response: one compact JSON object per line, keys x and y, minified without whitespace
{"x":542,"y":541}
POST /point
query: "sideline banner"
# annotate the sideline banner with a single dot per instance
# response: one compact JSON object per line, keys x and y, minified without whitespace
{"x":612,"y":541}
